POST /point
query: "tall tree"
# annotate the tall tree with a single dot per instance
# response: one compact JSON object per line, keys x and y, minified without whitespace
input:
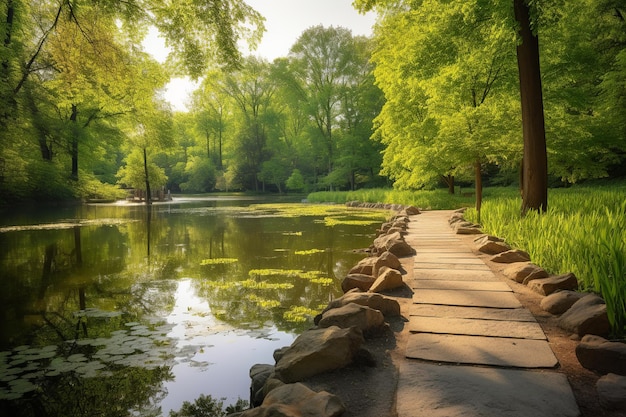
{"x":452,"y":111}
{"x":252,"y":90}
{"x":200,"y":34}
{"x":535,"y":160}
{"x":323,"y":61}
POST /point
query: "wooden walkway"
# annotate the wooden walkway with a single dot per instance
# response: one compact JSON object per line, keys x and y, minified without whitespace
{"x":473,"y":349}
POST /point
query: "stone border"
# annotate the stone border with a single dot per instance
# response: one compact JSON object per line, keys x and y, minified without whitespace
{"x":583,"y":314}
{"x":340,"y":329}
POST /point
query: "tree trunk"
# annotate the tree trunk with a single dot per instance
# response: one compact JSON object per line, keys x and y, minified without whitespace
{"x":220,"y":164}
{"x":449,"y":180}
{"x":74,"y":143}
{"x":8,"y":101}
{"x":535,"y":162}
{"x":145,"y":170}
{"x":478,"y":179}
{"x":208,"y":145}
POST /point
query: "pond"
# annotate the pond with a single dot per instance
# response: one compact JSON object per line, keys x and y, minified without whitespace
{"x":119,"y":309}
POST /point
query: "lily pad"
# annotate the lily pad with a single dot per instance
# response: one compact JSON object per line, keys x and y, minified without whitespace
{"x":22,"y":386}
{"x":77,"y":357}
{"x":21,"y":348}
{"x":9,"y":395}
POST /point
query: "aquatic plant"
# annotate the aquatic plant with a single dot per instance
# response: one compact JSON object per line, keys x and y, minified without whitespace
{"x":219,"y":261}
{"x":299,"y":314}
{"x":309,"y":251}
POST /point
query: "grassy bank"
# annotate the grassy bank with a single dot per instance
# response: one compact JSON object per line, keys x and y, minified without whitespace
{"x":584,"y":232}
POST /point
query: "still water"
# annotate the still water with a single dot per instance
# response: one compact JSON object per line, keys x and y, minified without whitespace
{"x":115,"y":310}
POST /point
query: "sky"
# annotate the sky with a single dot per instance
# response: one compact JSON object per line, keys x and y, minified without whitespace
{"x":285,"y":20}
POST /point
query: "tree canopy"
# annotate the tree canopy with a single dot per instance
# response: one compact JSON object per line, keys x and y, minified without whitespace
{"x":433,"y":97}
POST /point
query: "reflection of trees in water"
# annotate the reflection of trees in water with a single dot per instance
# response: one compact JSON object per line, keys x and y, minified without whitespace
{"x":72,"y":268}
{"x":113,"y":395}
{"x":271,"y":244}
{"x":132,"y":268}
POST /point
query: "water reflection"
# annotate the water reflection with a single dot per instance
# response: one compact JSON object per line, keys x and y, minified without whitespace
{"x":158,"y":305}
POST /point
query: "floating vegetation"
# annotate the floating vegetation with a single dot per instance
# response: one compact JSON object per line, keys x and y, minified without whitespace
{"x":325,"y":282}
{"x":335,"y":221}
{"x":299,"y":314}
{"x":24,"y":368}
{"x":309,"y":252}
{"x":263,"y":302}
{"x":264,"y":285}
{"x":302,"y":210}
{"x":292,"y":233}
{"x":69,"y":224}
{"x":274,"y":272}
{"x":219,"y":261}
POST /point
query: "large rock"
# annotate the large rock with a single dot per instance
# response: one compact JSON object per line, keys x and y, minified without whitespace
{"x":317,"y":351}
{"x":361,"y":281}
{"x":561,"y":301}
{"x":387,"y":259}
{"x":384,"y":228}
{"x":601,"y":355}
{"x":395,"y":229}
{"x":546,"y":286}
{"x":510,"y":256}
{"x":611,"y":390}
{"x":365,"y":266}
{"x":386,"y":305}
{"x":365,"y":318}
{"x":491,"y":248}
{"x":411,"y":211}
{"x":296,"y":400}
{"x":468,"y":229}
{"x":388,"y":279}
{"x":524,"y":272}
{"x":586,"y":316}
{"x":259,"y":374}
{"x":487,"y":238}
{"x":456,"y":218}
{"x":399,"y":248}
{"x":393,"y":243}
{"x":380,"y":243}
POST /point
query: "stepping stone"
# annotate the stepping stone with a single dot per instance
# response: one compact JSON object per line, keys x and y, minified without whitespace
{"x":476,"y":327}
{"x":481,"y":350}
{"x":454,"y":275}
{"x":440,"y":265}
{"x":446,"y":259}
{"x":445,"y":251}
{"x":433,"y":284}
{"x":431,"y":390}
{"x":495,"y":299}
{"x":507,"y":314}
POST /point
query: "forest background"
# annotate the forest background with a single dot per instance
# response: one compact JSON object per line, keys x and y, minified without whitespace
{"x":432,"y":98}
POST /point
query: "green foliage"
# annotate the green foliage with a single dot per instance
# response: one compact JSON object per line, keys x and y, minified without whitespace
{"x":295,"y":182}
{"x":206,"y":406}
{"x":201,"y":175}
{"x":133,"y":174}
{"x":583,"y":232}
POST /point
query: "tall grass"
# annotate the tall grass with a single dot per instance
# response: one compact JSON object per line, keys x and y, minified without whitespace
{"x":584,"y":232}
